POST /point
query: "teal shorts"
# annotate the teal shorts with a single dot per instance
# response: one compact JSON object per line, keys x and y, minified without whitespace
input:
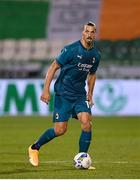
{"x":65,"y":108}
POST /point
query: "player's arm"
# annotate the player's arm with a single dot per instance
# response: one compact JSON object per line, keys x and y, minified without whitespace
{"x":91,"y":83}
{"x":45,"y":97}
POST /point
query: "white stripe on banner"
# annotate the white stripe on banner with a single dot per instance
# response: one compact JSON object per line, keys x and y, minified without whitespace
{"x":67,"y":17}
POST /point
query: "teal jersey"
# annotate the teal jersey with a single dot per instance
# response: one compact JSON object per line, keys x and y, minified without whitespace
{"x":76,"y":62}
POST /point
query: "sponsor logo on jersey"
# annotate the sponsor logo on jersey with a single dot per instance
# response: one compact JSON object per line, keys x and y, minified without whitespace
{"x":84,"y":67}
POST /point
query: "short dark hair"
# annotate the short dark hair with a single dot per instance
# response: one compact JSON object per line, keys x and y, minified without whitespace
{"x":90,"y":23}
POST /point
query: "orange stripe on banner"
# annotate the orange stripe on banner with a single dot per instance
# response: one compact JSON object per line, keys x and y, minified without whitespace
{"x":120,"y":19}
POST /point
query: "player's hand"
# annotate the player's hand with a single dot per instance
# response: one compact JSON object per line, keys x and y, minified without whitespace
{"x":45,"y":97}
{"x":90,"y":100}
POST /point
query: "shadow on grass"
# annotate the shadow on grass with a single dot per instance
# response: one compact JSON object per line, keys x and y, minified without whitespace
{"x":18,"y":168}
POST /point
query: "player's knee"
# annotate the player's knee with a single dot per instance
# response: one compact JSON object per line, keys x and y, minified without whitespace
{"x":86,"y":126}
{"x":60,"y":130}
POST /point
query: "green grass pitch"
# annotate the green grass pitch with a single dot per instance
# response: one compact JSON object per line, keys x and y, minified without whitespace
{"x":115,"y":149}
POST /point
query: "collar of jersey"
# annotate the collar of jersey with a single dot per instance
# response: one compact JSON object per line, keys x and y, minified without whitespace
{"x":84,"y":47}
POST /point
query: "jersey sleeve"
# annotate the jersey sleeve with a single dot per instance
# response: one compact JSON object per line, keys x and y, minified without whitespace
{"x":95,"y":66}
{"x":64,"y":57}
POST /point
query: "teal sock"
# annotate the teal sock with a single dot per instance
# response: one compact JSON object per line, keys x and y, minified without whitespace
{"x":84,"y":141}
{"x":44,"y":138}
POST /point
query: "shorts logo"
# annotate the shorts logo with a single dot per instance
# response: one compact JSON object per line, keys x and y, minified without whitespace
{"x":57,"y":116}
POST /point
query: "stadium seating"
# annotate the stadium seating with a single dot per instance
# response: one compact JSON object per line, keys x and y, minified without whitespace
{"x":23,"y":50}
{"x":40,"y":49}
{"x":8,"y":49}
{"x":105,"y":47}
{"x":25,"y":43}
{"x":55,"y":48}
{"x":36,"y":54}
{"x":134,"y":50}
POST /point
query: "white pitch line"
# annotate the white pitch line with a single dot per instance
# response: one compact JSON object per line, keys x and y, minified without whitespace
{"x":61,"y":162}
{"x":96,"y":162}
{"x":112,"y":162}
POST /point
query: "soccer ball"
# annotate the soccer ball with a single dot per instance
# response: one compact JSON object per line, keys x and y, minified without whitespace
{"x":82,"y":161}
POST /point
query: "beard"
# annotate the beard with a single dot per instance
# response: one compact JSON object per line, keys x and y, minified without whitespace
{"x":89,"y":41}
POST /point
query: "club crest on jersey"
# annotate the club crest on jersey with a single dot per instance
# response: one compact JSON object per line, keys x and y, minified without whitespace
{"x":57,"y":116}
{"x":93,"y":60}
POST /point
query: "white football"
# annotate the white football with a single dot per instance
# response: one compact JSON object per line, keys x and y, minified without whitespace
{"x":82,"y":160}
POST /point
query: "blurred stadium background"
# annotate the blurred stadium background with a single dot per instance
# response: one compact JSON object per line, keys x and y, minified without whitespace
{"x":32,"y":33}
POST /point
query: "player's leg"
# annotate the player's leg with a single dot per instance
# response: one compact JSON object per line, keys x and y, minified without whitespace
{"x":59,"y":129}
{"x":60,"y":118}
{"x":33,"y":150}
{"x":86,"y":133}
{"x":83,"y":112}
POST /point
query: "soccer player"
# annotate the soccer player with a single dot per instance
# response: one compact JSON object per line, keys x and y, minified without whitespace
{"x":77,"y":62}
